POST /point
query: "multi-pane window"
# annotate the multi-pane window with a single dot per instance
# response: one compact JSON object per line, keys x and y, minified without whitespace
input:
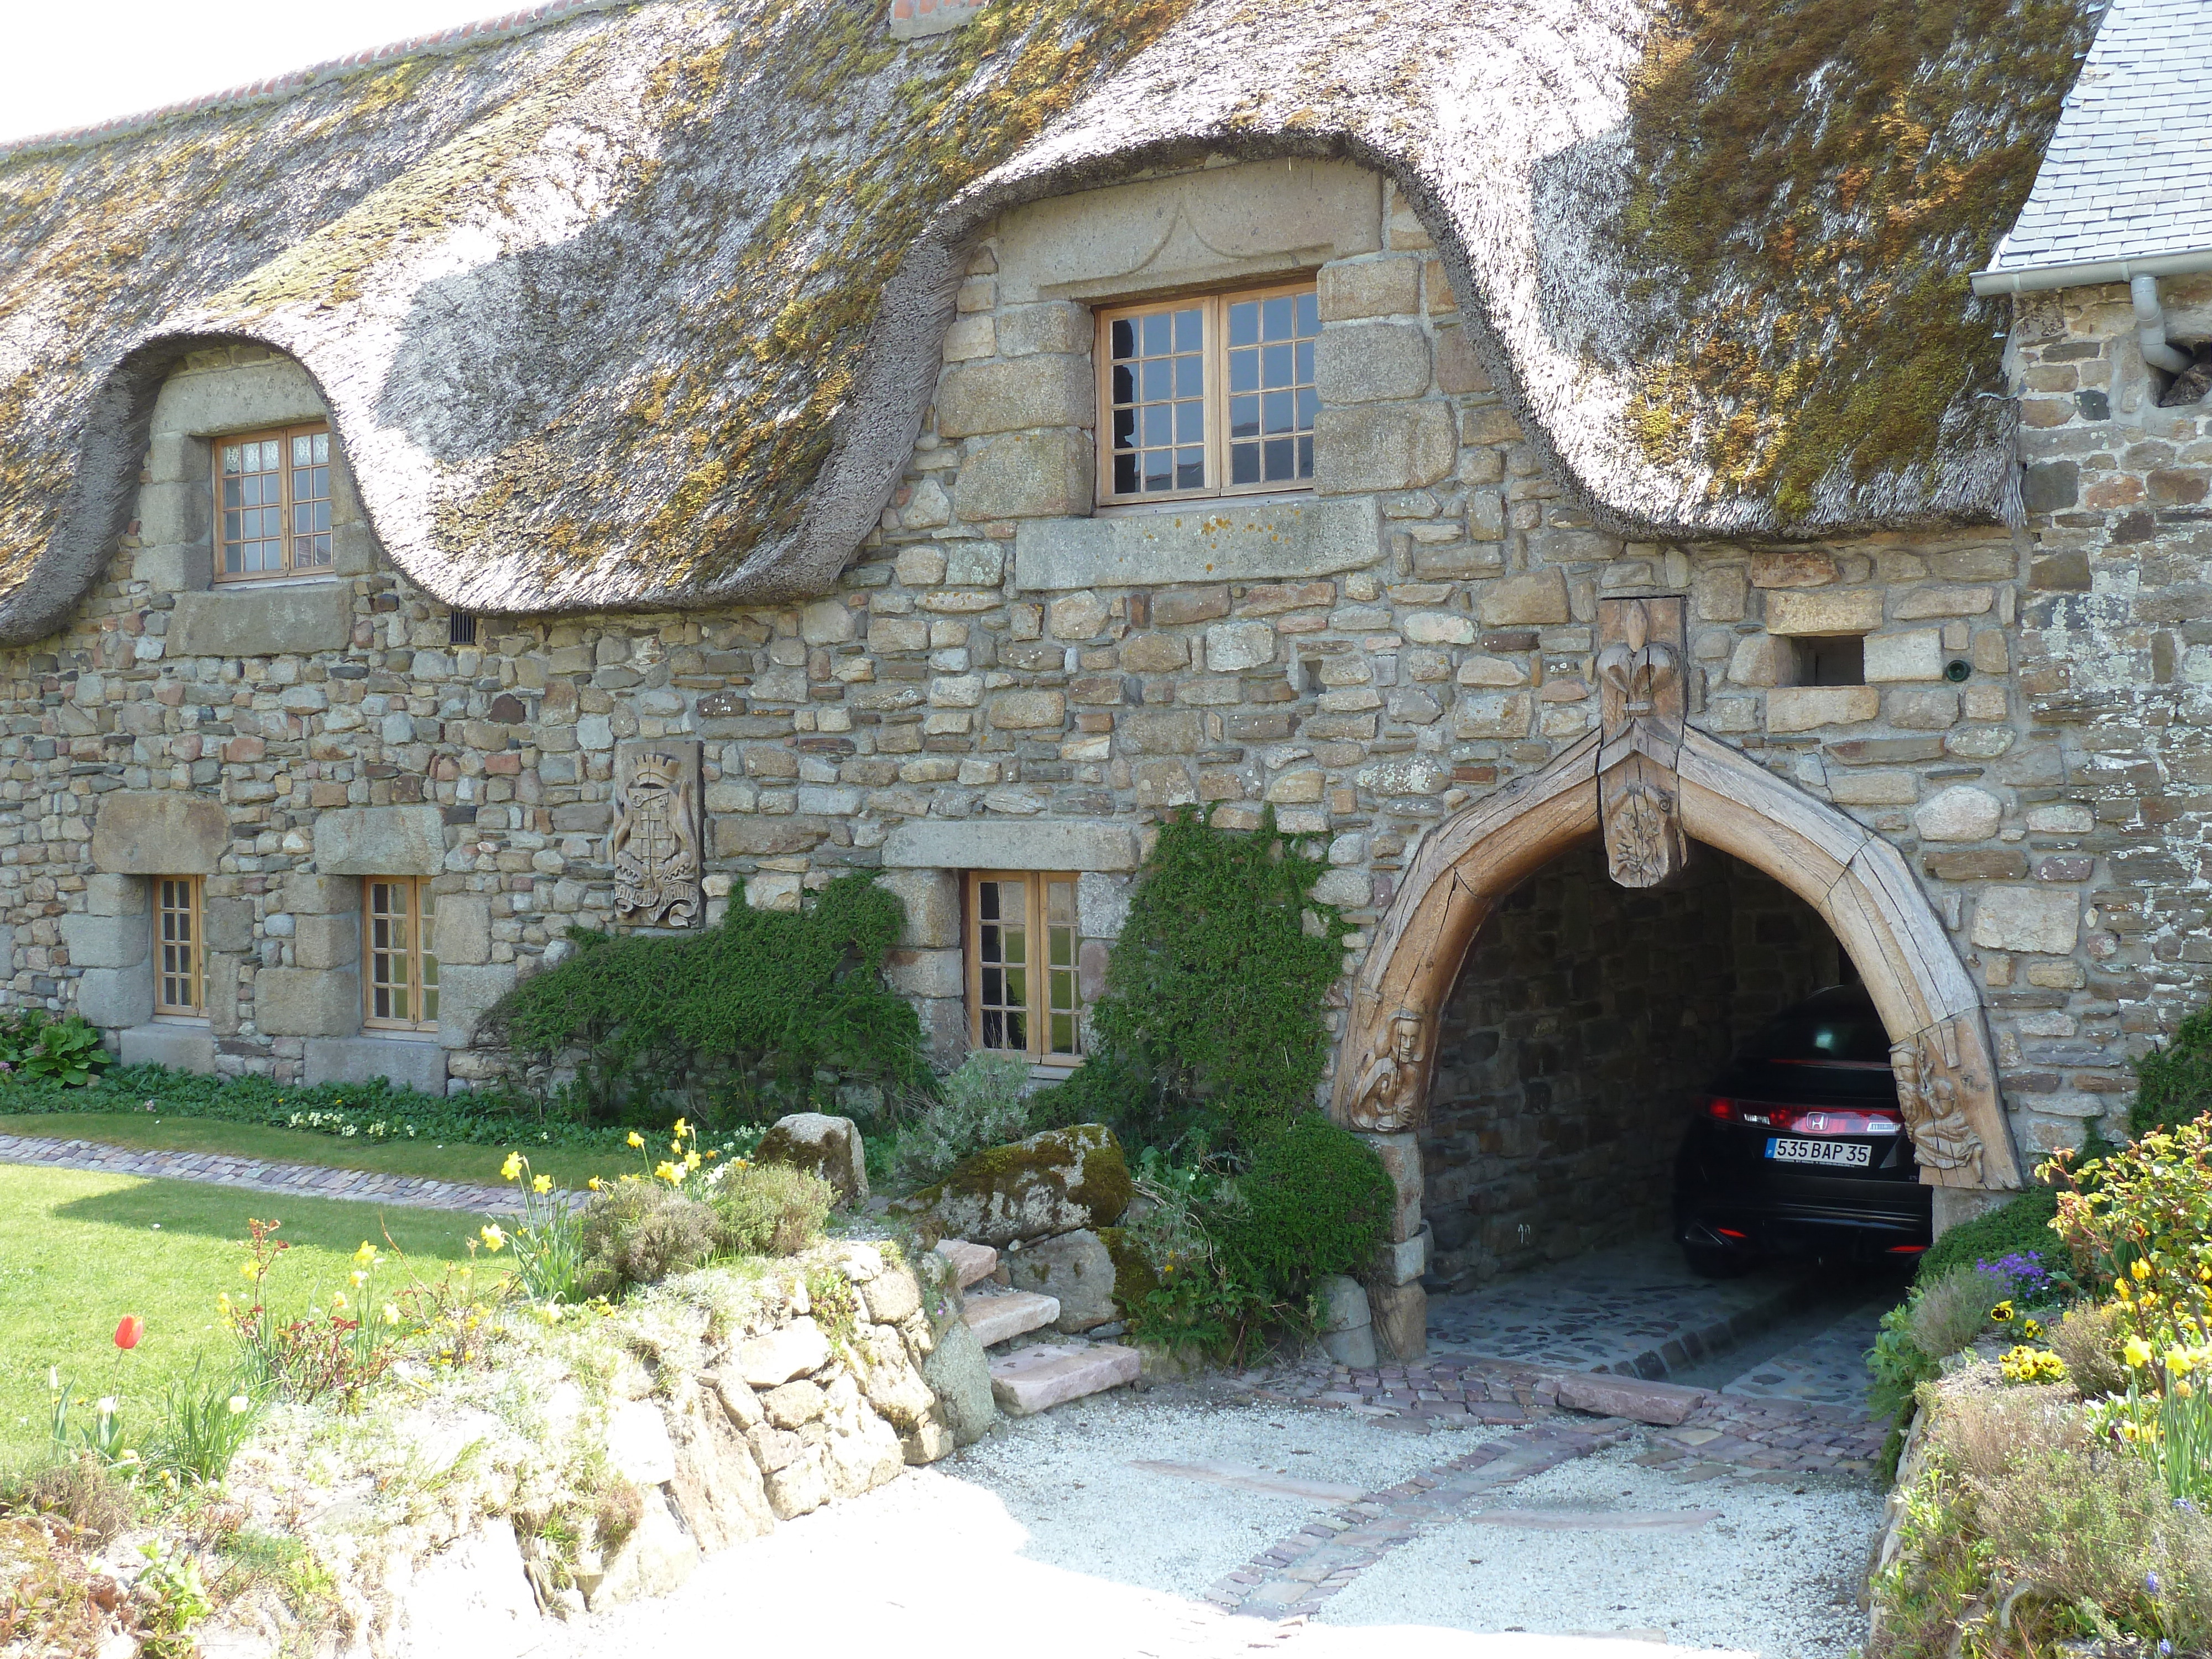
{"x":179,"y":966}
{"x":1209,"y":395}
{"x":1024,"y":994}
{"x":273,"y":503}
{"x":399,"y":981}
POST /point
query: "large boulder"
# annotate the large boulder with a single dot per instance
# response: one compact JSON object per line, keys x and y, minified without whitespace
{"x":1075,"y":1267}
{"x":1055,"y":1182}
{"x":820,"y":1145}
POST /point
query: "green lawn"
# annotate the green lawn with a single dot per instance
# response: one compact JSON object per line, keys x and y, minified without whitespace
{"x":570,"y":1166}
{"x":79,"y":1250}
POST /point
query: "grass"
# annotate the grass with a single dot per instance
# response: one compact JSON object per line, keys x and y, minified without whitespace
{"x":570,"y":1166}
{"x":80,"y":1248}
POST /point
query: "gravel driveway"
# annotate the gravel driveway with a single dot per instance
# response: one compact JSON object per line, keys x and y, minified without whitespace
{"x":1049,"y":1535}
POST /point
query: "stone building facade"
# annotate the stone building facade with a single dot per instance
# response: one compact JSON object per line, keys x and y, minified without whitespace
{"x":1964,"y":759}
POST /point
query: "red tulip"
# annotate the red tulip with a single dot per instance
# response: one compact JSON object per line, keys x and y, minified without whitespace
{"x":129,"y":1330}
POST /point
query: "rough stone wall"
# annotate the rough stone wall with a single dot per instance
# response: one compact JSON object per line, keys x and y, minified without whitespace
{"x":1002,"y":667}
{"x":2116,"y":673}
{"x":1585,"y":1019}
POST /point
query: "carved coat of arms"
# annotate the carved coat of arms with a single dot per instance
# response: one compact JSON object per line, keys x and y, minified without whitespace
{"x":654,"y":848}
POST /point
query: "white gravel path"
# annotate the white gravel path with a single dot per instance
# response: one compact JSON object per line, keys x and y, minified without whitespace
{"x":1778,"y":1574}
{"x":1044,"y":1538}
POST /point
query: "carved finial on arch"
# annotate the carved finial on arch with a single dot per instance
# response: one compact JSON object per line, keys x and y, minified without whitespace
{"x":1639,"y":672}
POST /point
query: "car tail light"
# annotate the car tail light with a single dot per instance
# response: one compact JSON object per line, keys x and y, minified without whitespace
{"x":1805,"y":1120}
{"x":1907,"y":1249}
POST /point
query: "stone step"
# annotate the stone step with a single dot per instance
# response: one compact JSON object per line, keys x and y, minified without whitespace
{"x":1045,"y":1375}
{"x":971,"y":1261}
{"x":997,"y":1319}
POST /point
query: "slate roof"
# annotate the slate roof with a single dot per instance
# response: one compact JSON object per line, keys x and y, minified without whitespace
{"x":640,"y":306}
{"x":2128,"y":174}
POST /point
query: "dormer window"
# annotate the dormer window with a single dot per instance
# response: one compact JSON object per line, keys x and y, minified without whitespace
{"x":274,"y":494}
{"x":1213,"y":396}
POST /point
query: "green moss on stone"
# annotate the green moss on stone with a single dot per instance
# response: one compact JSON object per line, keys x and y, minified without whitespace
{"x":1134,"y":1278}
{"x":1814,"y":184}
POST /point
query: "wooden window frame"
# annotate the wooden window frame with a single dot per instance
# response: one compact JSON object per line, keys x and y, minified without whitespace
{"x":179,"y":953}
{"x":1037,"y":1001}
{"x":288,"y":532}
{"x":418,"y":954}
{"x":1214,"y":353}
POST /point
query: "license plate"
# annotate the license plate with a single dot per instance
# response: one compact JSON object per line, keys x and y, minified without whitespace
{"x":1846,"y":1153}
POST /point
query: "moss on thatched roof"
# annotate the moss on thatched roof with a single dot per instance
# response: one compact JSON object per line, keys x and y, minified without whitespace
{"x":642,"y":307}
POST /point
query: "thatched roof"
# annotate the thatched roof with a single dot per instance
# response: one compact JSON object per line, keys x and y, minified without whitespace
{"x":642,"y":307}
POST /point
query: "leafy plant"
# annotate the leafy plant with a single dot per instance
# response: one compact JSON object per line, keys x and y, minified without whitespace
{"x":549,"y":1244}
{"x":764,"y":1001}
{"x":2173,"y":1081}
{"x":980,"y":1105}
{"x":638,"y":1231}
{"x":1210,"y":1032}
{"x":172,"y":1599}
{"x":65,"y":1052}
{"x":1946,"y":1316}
{"x":2020,"y":1224}
{"x":1316,"y":1201}
{"x":768,"y":1209}
{"x":203,"y":1423}
{"x":2140,"y":1219}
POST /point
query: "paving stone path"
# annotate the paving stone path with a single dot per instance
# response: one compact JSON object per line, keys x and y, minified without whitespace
{"x":1292,"y":1578}
{"x":1449,"y":1390}
{"x":260,"y":1176}
{"x":1635,"y":1309}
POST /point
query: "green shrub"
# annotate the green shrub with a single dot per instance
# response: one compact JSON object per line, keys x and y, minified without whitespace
{"x":1212,"y":1007}
{"x":768,"y":1209}
{"x":2174,"y":1082}
{"x":638,"y":1232}
{"x":1946,"y":1316}
{"x":980,"y":1105}
{"x":1316,"y":1201}
{"x":2017,"y":1226}
{"x":2143,"y":1215}
{"x":735,"y":1022}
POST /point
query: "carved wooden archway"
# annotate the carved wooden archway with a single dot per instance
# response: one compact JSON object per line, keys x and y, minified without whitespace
{"x":1647,"y":780}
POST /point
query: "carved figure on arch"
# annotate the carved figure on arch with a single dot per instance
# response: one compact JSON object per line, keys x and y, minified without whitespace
{"x":1388,"y":1099}
{"x":1931,"y":1093}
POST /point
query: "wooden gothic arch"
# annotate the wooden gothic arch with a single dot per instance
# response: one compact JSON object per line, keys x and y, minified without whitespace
{"x":1649,"y":783}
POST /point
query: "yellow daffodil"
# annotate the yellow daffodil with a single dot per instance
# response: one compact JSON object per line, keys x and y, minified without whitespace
{"x":593,"y":1183}
{"x":366,"y":1255}
{"x":690,"y":1160}
{"x":358,"y":1277}
{"x":675,"y":1148}
{"x":252,"y":1270}
{"x":542,"y":1184}
{"x":2137,"y":1351}
{"x":494,"y":1238}
{"x":512,"y":1168}
{"x":337,"y":1301}
{"x":636,"y":1138}
{"x":390,"y":1314}
{"x":2178,"y":1362}
{"x":682,"y":1127}
{"x":238,"y":1403}
{"x":669,"y":1173}
{"x":711,"y":1152}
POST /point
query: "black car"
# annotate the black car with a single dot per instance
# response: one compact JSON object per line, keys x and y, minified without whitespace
{"x":1799,"y":1146}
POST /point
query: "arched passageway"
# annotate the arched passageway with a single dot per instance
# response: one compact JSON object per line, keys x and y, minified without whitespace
{"x":1571,"y":1050}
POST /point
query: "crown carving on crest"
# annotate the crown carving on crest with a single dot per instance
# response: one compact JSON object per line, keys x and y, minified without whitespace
{"x":1638,"y":667}
{"x":657,"y":771}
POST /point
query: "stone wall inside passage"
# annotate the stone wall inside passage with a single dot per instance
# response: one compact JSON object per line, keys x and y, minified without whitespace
{"x":1583,"y":1022}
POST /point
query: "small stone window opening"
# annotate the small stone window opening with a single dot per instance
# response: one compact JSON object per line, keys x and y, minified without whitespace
{"x":1024,"y":990}
{"x":273,"y":504}
{"x":399,"y":980}
{"x":1831,"y":660}
{"x":461,"y":627}
{"x":1208,"y":396}
{"x":180,"y":973}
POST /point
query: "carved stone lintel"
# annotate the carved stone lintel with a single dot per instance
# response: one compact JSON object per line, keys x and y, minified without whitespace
{"x":654,"y":845}
{"x":1390,"y":1096}
{"x":1937,"y":1088}
{"x":1639,"y":672}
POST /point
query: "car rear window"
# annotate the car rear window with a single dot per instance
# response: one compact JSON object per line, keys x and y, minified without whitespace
{"x":1839,"y":1038}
